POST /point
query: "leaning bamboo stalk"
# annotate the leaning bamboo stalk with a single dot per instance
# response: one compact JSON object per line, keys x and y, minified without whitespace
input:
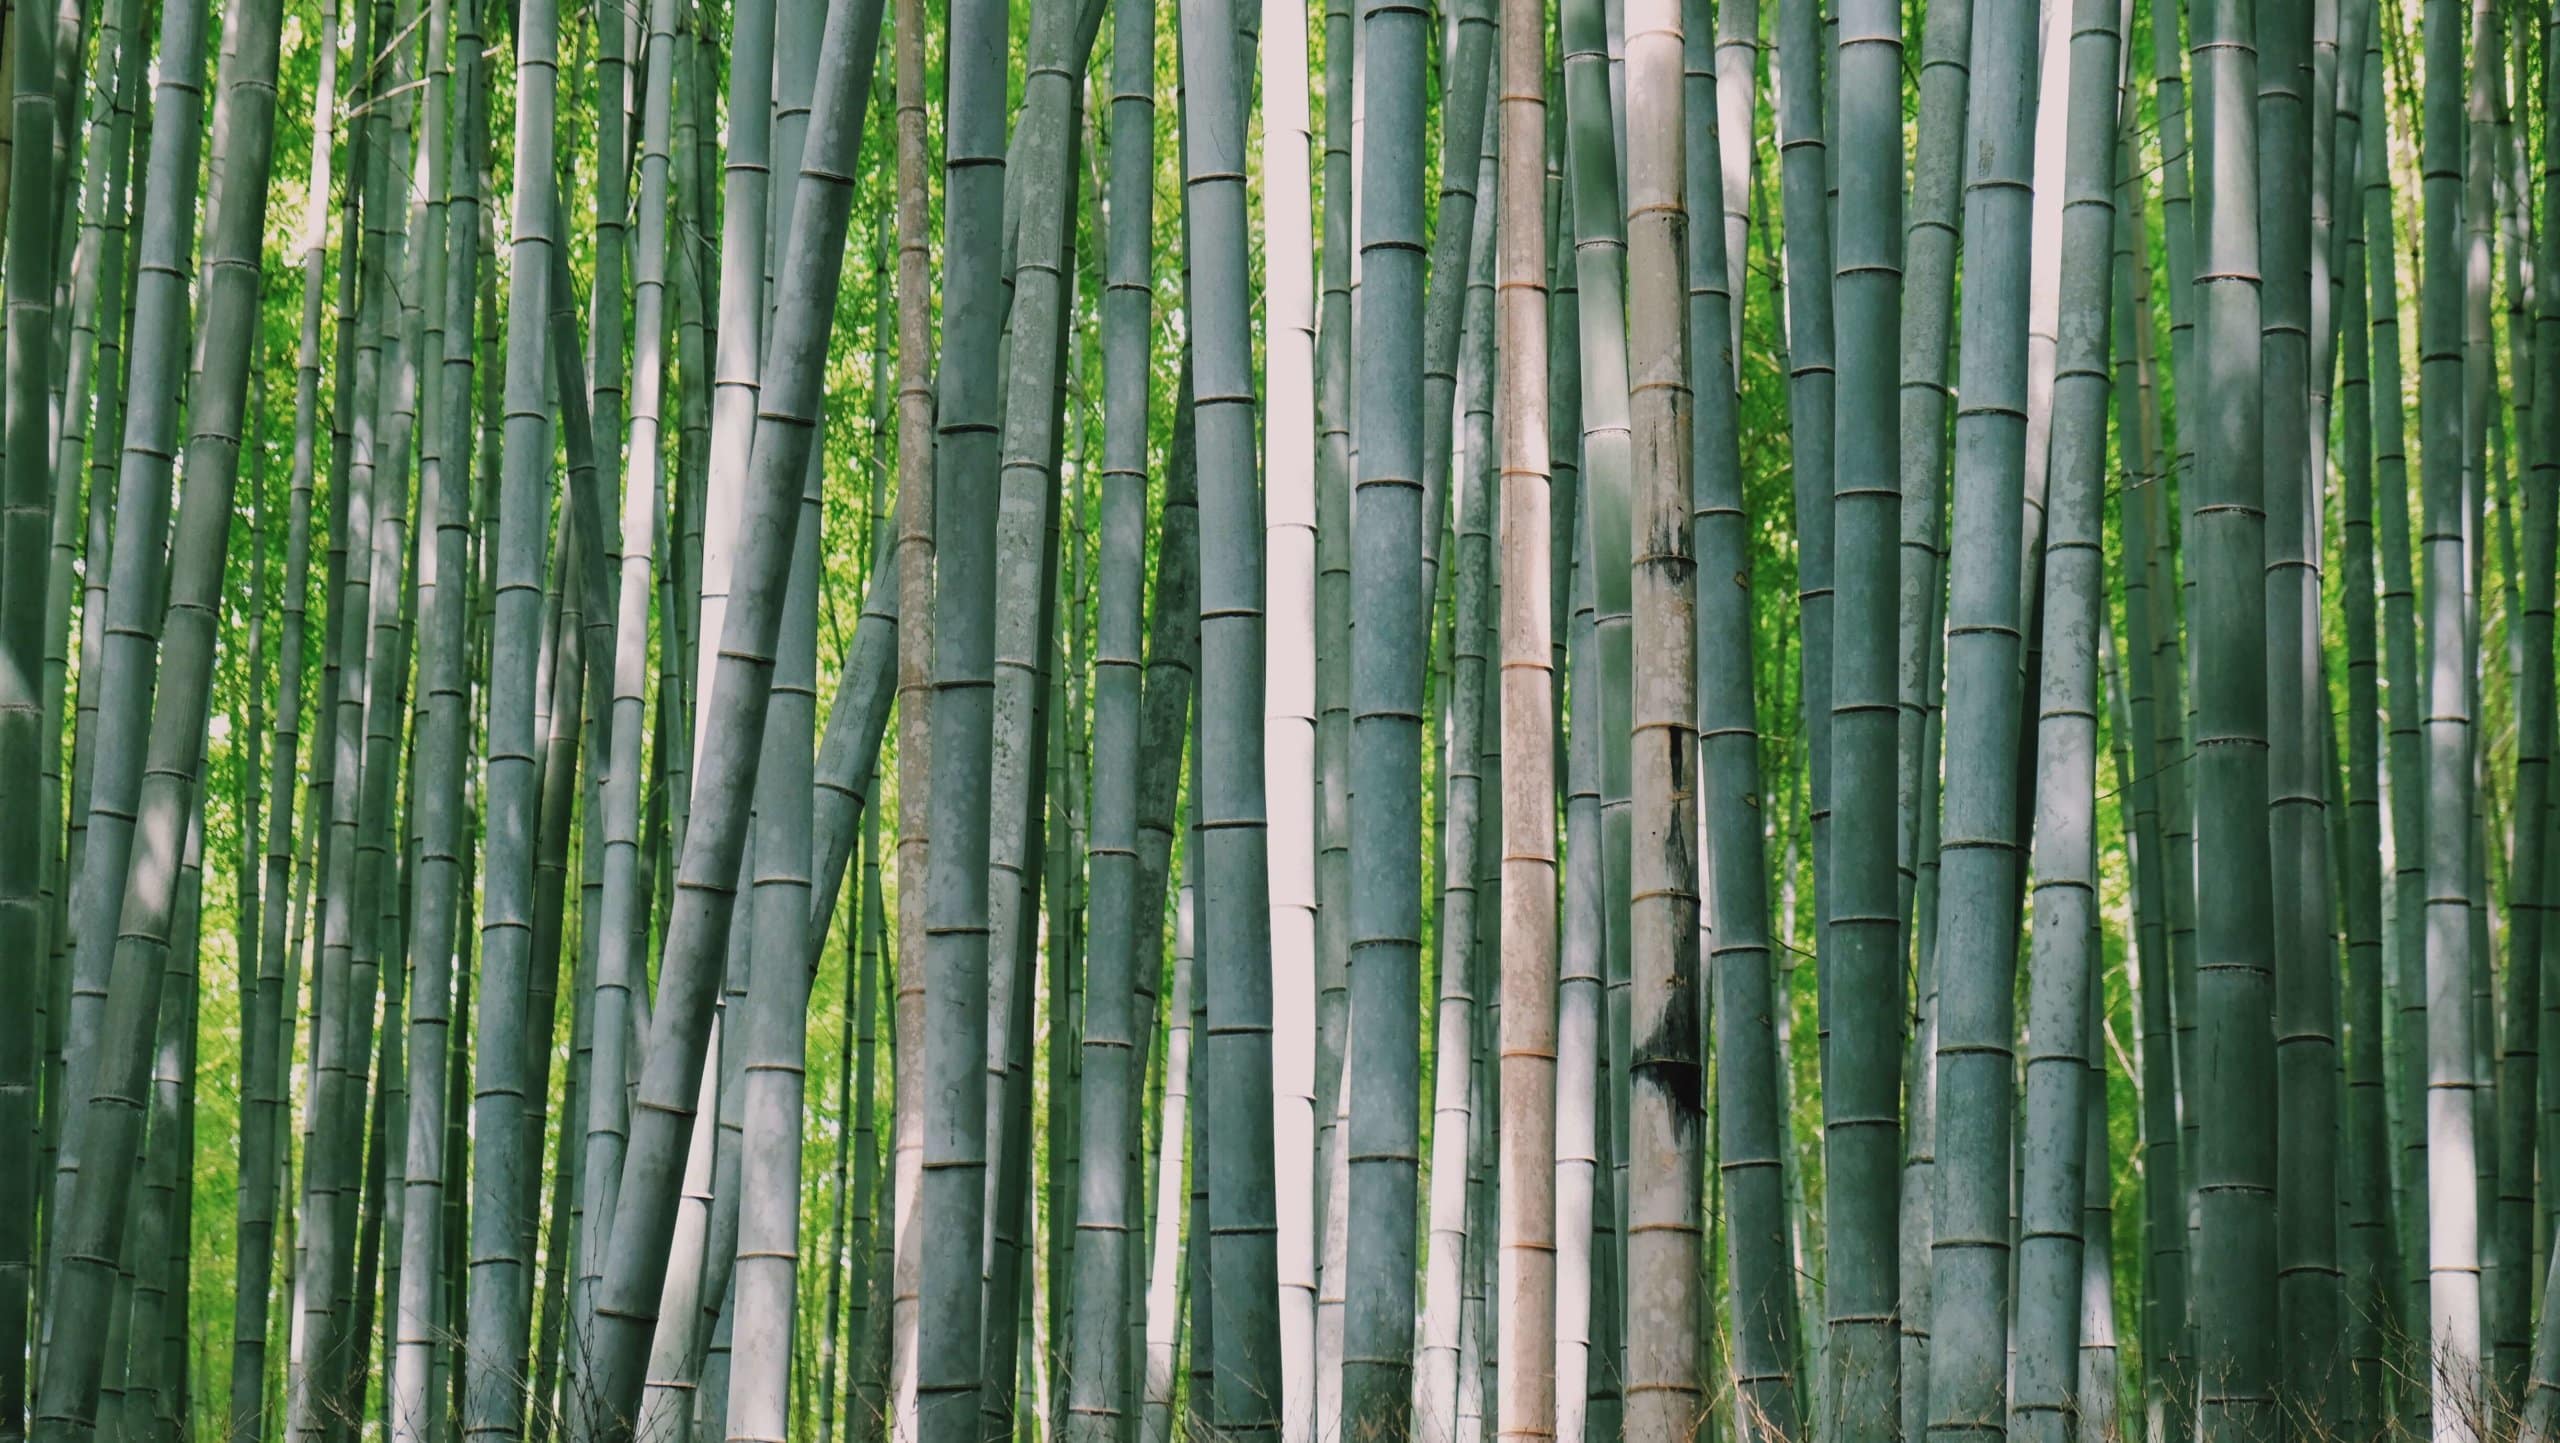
{"x":417,"y":1410}
{"x":92,"y":1231}
{"x":750,"y":1396}
{"x":775,"y":1028}
{"x":104,"y":432}
{"x":623,"y":922}
{"x":735,"y":717}
{"x":137,"y":571}
{"x":96,"y":262}
{"x":847,"y":776}
{"x":739,"y":314}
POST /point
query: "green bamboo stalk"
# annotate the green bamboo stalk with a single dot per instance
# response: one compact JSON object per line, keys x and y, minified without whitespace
{"x":1580,"y":1060}
{"x":1236,"y":940}
{"x":93,"y":1229}
{"x":2405,"y":941}
{"x":451,"y":247}
{"x":149,"y":1407}
{"x":268,"y":1040}
{"x":735,"y":717}
{"x":1457,"y":1026}
{"x":1930,"y":243}
{"x":2237,"y":1352}
{"x":956,"y":1050}
{"x":2543,"y":443}
{"x":2065,"y":949}
{"x":1388,"y":641}
{"x":1110,"y":1210}
{"x":364,"y":776}
{"x":136,"y":574}
{"x":1468,"y":58}
{"x":774,"y":1030}
{"x":1979,"y":863}
{"x":2144,"y":512}
{"x":872,"y":1223}
{"x":2306,"y":1011}
{"x":1334,"y":407}
{"x":758,"y":1322}
{"x":2101,"y":1360}
{"x":1748,"y":1127}
{"x":73,"y":382}
{"x":623,"y":921}
{"x":1811,"y":399}
{"x":26,"y":526}
{"x":495,"y":1338}
{"x":2518,"y":1101}
{"x":1600,"y":266}
{"x":1861,"y":933}
{"x":847,"y":773}
{"x":2170,"y":600}
{"x":1041,"y":173}
{"x":114,"y":302}
{"x":738,"y":340}
{"x":2371,"y":1297}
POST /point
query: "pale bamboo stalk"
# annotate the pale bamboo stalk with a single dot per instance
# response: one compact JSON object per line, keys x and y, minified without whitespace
{"x":1526,"y":1264}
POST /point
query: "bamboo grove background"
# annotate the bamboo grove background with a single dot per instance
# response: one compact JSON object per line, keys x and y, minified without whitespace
{"x":811,"y":718}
